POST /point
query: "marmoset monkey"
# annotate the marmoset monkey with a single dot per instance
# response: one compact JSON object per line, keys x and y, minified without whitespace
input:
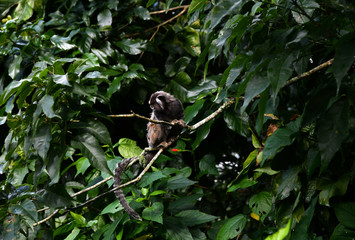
{"x":165,"y":108}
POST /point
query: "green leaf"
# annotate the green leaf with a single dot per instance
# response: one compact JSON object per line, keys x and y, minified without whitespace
{"x":12,"y":88}
{"x":184,"y":203}
{"x":154,"y":213}
{"x":196,"y":5}
{"x":55,"y":196}
{"x":80,"y":220}
{"x":244,"y":183}
{"x":279,"y":71}
{"x":150,"y":2}
{"x":91,"y":149}
{"x":24,"y":10}
{"x":15,"y":66}
{"x":104,"y":18}
{"x":74,"y":233}
{"x":149,"y":178}
{"x":62,"y":42}
{"x":208,"y":165}
{"x":237,"y":121}
{"x":192,"y":110}
{"x":55,"y":157}
{"x":333,"y":130}
{"x":42,"y":139}
{"x":256,"y":85}
{"x":61,"y":79}
{"x":232,"y":227}
{"x":112,"y":208}
{"x":178,"y":182}
{"x":261,"y":204}
{"x":343,"y":59}
{"x":202,"y":134}
{"x":176,"y":230}
{"x":280,"y":138}
{"x":342,"y":233}
{"x":266,"y":170}
{"x":26,"y":208}
{"x":289,"y":180}
{"x":330,"y":188}
{"x":308,"y":7}
{"x":194,"y":217}
{"x":128,"y":148}
{"x":95,"y":128}
{"x":301,"y":229}
{"x":132,"y":47}
{"x":46,"y":103}
{"x":345,"y":213}
{"x":281,"y":233}
{"x":142,"y":13}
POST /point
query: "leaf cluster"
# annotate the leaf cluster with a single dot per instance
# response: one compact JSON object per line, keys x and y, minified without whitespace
{"x":275,"y":161}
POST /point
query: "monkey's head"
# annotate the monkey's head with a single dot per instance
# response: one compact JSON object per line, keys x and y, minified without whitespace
{"x":159,"y":101}
{"x":166,"y":107}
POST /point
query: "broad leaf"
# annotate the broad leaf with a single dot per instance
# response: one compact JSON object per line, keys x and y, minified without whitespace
{"x":333,"y":130}
{"x":232,"y":227}
{"x":154,"y":213}
{"x":91,"y":149}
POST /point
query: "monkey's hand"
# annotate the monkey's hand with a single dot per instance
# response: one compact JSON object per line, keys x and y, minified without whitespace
{"x":179,"y":122}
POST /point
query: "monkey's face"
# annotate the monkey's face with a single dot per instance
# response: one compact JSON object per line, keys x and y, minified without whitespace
{"x":158,"y":101}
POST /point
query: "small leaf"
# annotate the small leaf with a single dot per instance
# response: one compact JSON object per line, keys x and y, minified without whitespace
{"x":342,"y":233}
{"x":46,"y":103}
{"x":261,"y":204}
{"x":91,"y":149}
{"x":194,"y":217}
{"x":208,"y":165}
{"x":256,"y":85}
{"x":333,"y":130}
{"x":130,"y":46}
{"x":15,"y":66}
{"x":24,"y":10}
{"x":128,"y":148}
{"x":80,"y":220}
{"x":104,"y":18}
{"x":154,"y":213}
{"x":202,"y":134}
{"x":244,"y":183}
{"x":179,"y":181}
{"x":266,"y":170}
{"x":279,"y":71}
{"x":55,"y":196}
{"x":308,"y":7}
{"x":345,"y":213}
{"x":196,"y":5}
{"x":142,"y":13}
{"x":281,"y":233}
{"x":232,"y":227}
{"x":26,"y":208}
{"x":192,"y":110}
{"x":280,"y":138}
{"x":301,"y":229}
{"x":74,"y":233}
{"x":41,"y":140}
{"x":149,"y":178}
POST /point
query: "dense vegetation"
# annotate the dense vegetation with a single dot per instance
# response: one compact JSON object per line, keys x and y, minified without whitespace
{"x":277,"y":163}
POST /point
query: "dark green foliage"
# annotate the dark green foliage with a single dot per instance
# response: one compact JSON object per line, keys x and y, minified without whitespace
{"x":277,"y":164}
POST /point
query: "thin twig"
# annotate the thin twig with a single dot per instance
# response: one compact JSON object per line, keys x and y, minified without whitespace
{"x":170,"y":9}
{"x":46,"y":219}
{"x":306,"y":74}
{"x":140,"y":116}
